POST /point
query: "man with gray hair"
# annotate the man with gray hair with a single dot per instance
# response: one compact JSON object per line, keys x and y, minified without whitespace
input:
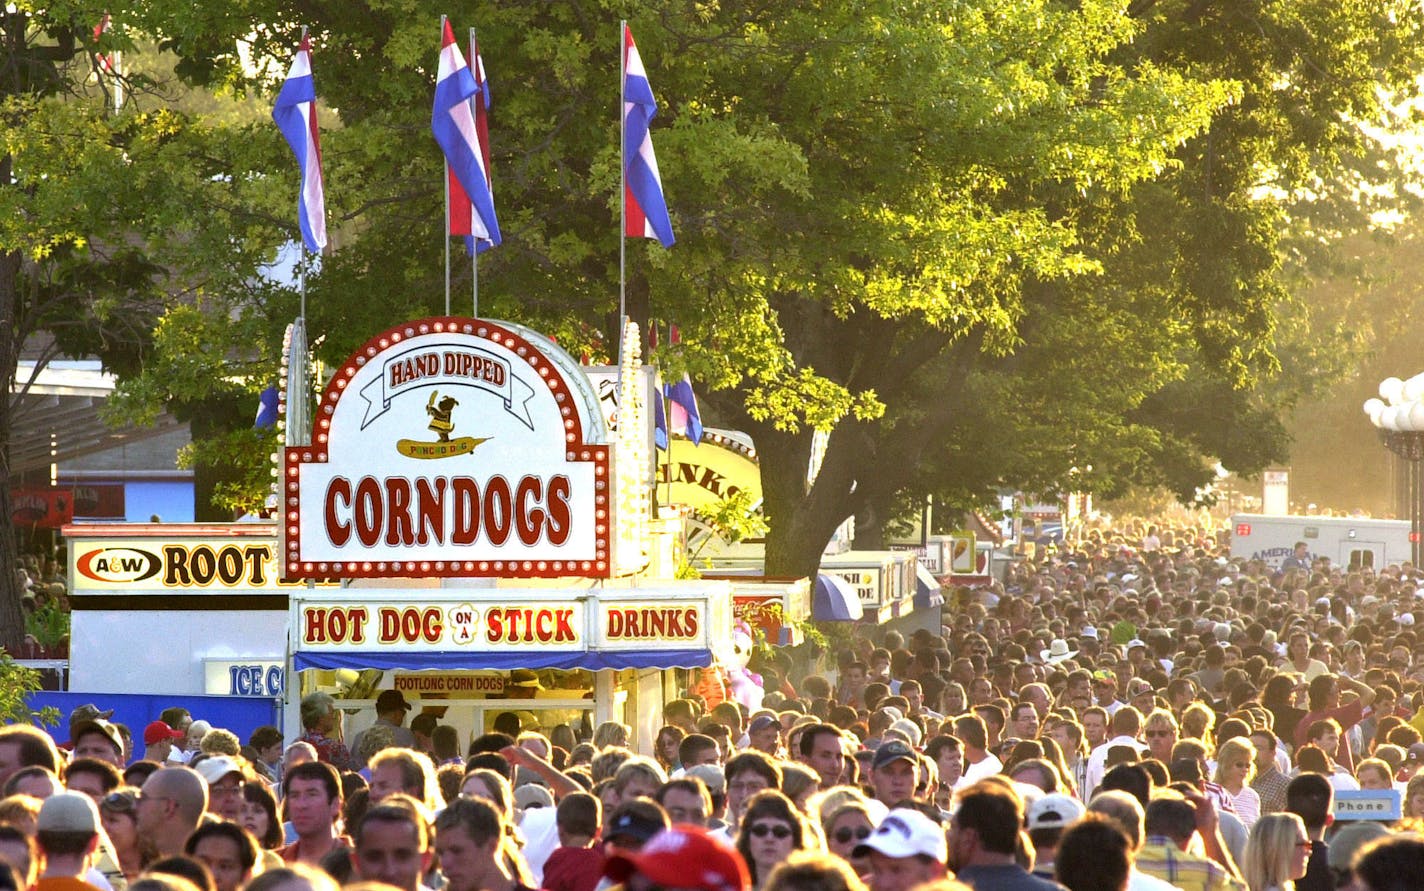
{"x":321,"y":726}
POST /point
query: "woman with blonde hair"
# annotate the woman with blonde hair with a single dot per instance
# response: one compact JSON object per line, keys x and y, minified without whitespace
{"x":611,"y":734}
{"x":804,"y":871}
{"x":1235,"y":768}
{"x":1414,"y":796}
{"x":845,"y":827}
{"x":1276,"y":853}
{"x":1198,"y":720}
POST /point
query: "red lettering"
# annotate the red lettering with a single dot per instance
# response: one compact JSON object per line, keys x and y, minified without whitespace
{"x":498,"y":507}
{"x":559,"y":514}
{"x":368,"y":511}
{"x":398,"y":527}
{"x":494,"y":627}
{"x":390,"y":624}
{"x":337,"y":531}
{"x":528,"y":519}
{"x":543,"y":619}
{"x":431,"y":519}
{"x":314,"y":625}
{"x":466,"y":512}
{"x":565,"y":630}
{"x":336,"y":626}
{"x":432,"y":625}
{"x":358,"y":616}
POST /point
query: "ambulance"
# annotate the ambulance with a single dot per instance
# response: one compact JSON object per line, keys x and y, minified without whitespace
{"x":1346,"y":541}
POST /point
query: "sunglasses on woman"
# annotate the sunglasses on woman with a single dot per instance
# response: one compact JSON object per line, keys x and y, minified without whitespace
{"x":776,"y":831}
{"x":845,"y":834}
{"x":123,"y":802}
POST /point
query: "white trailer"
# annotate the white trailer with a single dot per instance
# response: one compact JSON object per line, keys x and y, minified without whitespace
{"x":1346,"y":541}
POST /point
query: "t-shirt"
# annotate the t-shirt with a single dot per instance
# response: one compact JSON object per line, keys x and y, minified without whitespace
{"x":64,"y":883}
{"x":573,"y":869}
{"x":1010,"y":877}
{"x":1346,"y":716}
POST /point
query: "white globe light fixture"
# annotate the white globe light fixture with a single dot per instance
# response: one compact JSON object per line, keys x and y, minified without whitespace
{"x":1398,"y":415}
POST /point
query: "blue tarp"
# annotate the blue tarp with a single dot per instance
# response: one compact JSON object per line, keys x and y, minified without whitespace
{"x":240,"y":714}
{"x":587,"y":659}
{"x":834,"y":600}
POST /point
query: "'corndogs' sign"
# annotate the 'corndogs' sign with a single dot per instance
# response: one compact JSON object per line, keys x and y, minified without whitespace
{"x":449,"y":447}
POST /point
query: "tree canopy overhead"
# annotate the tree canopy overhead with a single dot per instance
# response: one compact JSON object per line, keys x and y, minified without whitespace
{"x":980,"y":243}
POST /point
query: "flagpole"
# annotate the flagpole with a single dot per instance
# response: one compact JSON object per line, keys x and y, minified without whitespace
{"x":475,"y":253}
{"x":302,"y":258}
{"x":622,"y":188}
{"x":445,"y":223}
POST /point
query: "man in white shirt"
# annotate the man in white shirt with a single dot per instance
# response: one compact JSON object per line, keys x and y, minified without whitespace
{"x":978,"y":762}
{"x":1126,"y":727}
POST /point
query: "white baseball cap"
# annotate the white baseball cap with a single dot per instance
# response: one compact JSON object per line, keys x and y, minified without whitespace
{"x":907,"y":833}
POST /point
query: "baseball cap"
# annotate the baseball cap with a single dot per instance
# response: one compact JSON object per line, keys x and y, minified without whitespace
{"x":391,"y":700}
{"x":893,"y":750}
{"x":711,"y":776}
{"x":1054,"y":812}
{"x":89,"y":712}
{"x":1416,"y":752}
{"x":684,"y":857}
{"x":111,"y":733}
{"x":158,"y":731}
{"x":215,"y":768}
{"x":532,"y":796}
{"x":68,"y":812}
{"x":907,"y":833}
{"x":762,"y":723}
{"x":1348,"y":840}
{"x":635,"y":823}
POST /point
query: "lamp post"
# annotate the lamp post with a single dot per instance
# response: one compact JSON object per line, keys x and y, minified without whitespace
{"x":1399,"y":416}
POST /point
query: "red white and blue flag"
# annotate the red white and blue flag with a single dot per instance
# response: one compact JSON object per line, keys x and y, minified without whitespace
{"x":644,"y":208}
{"x":295,"y":114}
{"x":461,"y":212}
{"x":453,"y":123}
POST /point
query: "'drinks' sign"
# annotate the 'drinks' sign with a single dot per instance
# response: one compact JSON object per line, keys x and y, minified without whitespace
{"x":449,"y":447}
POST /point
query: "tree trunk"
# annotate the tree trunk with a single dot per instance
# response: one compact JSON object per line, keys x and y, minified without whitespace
{"x":802,"y":521}
{"x":12,"y":620}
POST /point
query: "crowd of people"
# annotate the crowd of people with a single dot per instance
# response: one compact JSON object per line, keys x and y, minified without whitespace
{"x":1133,"y":712}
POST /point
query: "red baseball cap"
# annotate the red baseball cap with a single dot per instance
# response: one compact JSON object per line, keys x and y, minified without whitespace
{"x":158,"y":731}
{"x":684,"y":857}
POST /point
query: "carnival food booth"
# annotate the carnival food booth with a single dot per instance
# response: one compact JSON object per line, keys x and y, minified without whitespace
{"x":490,"y":508}
{"x":894,"y":588}
{"x":177,"y":608}
{"x":575,"y":656}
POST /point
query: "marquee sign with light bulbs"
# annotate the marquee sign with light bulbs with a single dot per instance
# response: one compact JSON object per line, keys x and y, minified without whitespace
{"x":451,"y":447}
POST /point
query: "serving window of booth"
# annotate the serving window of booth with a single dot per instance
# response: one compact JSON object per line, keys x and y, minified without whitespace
{"x":478,"y":701}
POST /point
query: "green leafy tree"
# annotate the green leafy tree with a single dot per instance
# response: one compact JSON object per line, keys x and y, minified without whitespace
{"x":976,"y":242}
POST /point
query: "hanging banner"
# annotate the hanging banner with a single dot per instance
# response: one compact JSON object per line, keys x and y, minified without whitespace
{"x":450,"y":447}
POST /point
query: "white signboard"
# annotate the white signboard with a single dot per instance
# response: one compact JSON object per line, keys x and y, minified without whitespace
{"x":449,"y":447}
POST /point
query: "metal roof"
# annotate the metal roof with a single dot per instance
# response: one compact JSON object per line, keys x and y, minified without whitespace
{"x":57,"y":419}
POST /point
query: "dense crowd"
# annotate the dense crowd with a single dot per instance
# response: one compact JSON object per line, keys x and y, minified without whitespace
{"x":1135,"y":711}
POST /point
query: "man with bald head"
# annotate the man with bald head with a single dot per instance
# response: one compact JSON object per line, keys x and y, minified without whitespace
{"x":169,"y":807}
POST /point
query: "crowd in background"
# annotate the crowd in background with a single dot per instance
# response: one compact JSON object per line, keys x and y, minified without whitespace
{"x":1136,"y":710}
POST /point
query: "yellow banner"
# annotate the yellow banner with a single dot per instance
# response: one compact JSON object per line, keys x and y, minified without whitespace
{"x":412,"y":448}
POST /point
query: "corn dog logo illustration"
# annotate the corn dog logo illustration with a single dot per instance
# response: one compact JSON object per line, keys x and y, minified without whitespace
{"x":441,"y":410}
